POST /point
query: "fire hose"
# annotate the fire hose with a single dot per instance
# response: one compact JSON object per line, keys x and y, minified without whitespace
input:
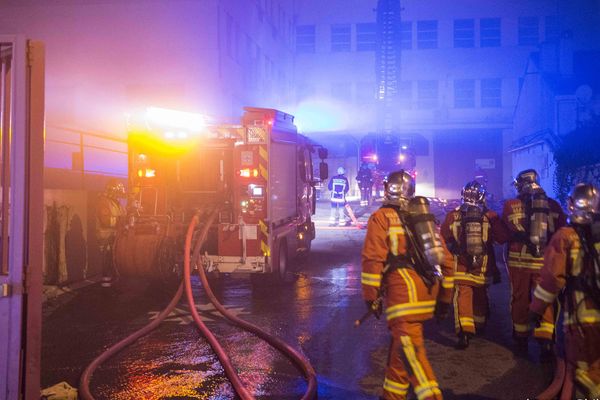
{"x":284,"y":348}
{"x":300,"y":361}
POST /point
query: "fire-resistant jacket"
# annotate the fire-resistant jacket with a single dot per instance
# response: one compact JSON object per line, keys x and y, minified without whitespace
{"x":564,"y":260}
{"x":493,"y":230}
{"x":407,"y":296}
{"x":109,"y":214}
{"x":513,"y":216}
{"x":339,"y":187}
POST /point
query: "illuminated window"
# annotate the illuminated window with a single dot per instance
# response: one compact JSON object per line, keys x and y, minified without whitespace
{"x":427,"y":94}
{"x":491,"y":93}
{"x":427,"y":34}
{"x":464,"y":33}
{"x":490,"y":32}
{"x":529,"y":34}
{"x":305,"y":39}
{"x":340,"y":37}
{"x":552,"y":29}
{"x":406,"y":35}
{"x":366,"y":37}
{"x":464,"y":93}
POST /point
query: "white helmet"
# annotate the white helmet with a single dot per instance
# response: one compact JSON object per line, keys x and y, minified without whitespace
{"x":341,"y":171}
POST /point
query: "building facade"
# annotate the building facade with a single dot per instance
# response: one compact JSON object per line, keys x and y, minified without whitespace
{"x":462,"y":64}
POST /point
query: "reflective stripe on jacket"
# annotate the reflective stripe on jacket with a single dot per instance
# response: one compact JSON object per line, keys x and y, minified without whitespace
{"x":407,"y":296}
{"x":514,"y":218}
{"x":564,"y":260}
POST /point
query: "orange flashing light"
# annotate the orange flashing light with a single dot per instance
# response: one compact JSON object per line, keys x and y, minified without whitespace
{"x":247,"y":173}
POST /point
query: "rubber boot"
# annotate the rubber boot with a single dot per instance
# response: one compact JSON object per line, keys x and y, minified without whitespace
{"x":463,"y":340}
{"x":521,"y":346}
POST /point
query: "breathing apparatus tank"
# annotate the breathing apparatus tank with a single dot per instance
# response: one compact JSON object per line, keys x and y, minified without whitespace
{"x":538,"y":222}
{"x":472,"y":210}
{"x":423,"y":224}
{"x":472,"y":231}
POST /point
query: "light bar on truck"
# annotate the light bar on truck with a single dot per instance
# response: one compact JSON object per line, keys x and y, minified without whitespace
{"x":164,"y":117}
{"x":247,"y":173}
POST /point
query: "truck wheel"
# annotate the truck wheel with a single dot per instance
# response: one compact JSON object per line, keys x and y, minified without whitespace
{"x":284,"y":269}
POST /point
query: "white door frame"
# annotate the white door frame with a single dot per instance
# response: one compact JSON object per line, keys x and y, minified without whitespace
{"x":21,"y":285}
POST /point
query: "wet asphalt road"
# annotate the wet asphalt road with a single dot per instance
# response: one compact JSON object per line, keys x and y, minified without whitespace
{"x":315,"y":315}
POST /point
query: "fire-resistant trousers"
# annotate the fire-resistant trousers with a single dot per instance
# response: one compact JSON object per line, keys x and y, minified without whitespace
{"x":408,"y":364}
{"x":583,"y":352}
{"x":523,"y":282}
{"x":470,"y":307}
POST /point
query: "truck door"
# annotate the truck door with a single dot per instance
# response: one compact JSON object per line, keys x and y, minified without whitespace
{"x":21,"y":215}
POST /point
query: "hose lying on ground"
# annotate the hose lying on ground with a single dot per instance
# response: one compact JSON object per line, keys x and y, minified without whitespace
{"x":553,"y":390}
{"x":84,"y":383}
{"x":300,"y":361}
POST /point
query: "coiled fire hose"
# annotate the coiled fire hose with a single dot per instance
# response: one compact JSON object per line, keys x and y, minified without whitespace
{"x":284,"y":348}
{"x":300,"y":361}
{"x":84,"y":382}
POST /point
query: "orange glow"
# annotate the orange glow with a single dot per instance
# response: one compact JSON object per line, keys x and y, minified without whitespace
{"x":150,"y":173}
{"x":247,"y":173}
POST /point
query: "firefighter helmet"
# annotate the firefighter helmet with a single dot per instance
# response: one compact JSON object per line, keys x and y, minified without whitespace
{"x":583,"y":203}
{"x":341,"y":171}
{"x":473,"y":194}
{"x":115,"y":189}
{"x":527,"y":181}
{"x":399,"y":187}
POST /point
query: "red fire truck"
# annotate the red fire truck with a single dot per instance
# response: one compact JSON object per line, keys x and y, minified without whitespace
{"x":259,"y":174}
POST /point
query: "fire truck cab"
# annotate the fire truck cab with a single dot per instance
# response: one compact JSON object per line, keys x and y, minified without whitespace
{"x":258,"y":174}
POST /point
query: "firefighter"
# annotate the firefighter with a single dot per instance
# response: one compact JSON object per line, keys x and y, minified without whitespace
{"x":531,"y":219}
{"x":365,"y":183}
{"x":572,"y":263}
{"x":338,"y":185}
{"x":470,"y":231}
{"x":109,"y":218}
{"x":396,"y":266}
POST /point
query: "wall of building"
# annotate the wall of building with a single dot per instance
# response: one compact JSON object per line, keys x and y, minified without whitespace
{"x":342,"y":79}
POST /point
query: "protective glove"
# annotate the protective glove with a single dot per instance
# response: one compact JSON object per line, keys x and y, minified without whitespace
{"x":441,"y":311}
{"x":534,"y":320}
{"x":376,"y":307}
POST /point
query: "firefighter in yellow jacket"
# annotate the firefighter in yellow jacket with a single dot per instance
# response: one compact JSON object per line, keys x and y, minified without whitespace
{"x":109,"y":217}
{"x":531,"y":218}
{"x":470,"y":232}
{"x":572,"y":263}
{"x":396,"y":265}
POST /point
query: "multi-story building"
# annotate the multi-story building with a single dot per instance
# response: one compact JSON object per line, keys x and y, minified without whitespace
{"x":462,"y":66}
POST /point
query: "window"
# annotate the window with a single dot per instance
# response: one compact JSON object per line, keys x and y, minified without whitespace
{"x":365,"y":93}
{"x":406,"y":35}
{"x":490,"y":32}
{"x":427,"y":36}
{"x":405,"y":94}
{"x":491,"y":93}
{"x":341,"y":91}
{"x":366,"y":37}
{"x":464,"y":33}
{"x":427,"y":94}
{"x":305,"y":39}
{"x":340,"y":37}
{"x":528,"y":31}
{"x":552,"y":29}
{"x":464,"y":93}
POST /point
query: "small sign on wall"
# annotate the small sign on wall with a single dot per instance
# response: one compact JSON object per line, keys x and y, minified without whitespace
{"x":485,"y":163}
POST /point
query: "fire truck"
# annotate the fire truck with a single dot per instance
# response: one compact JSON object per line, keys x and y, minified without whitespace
{"x":260,"y":176}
